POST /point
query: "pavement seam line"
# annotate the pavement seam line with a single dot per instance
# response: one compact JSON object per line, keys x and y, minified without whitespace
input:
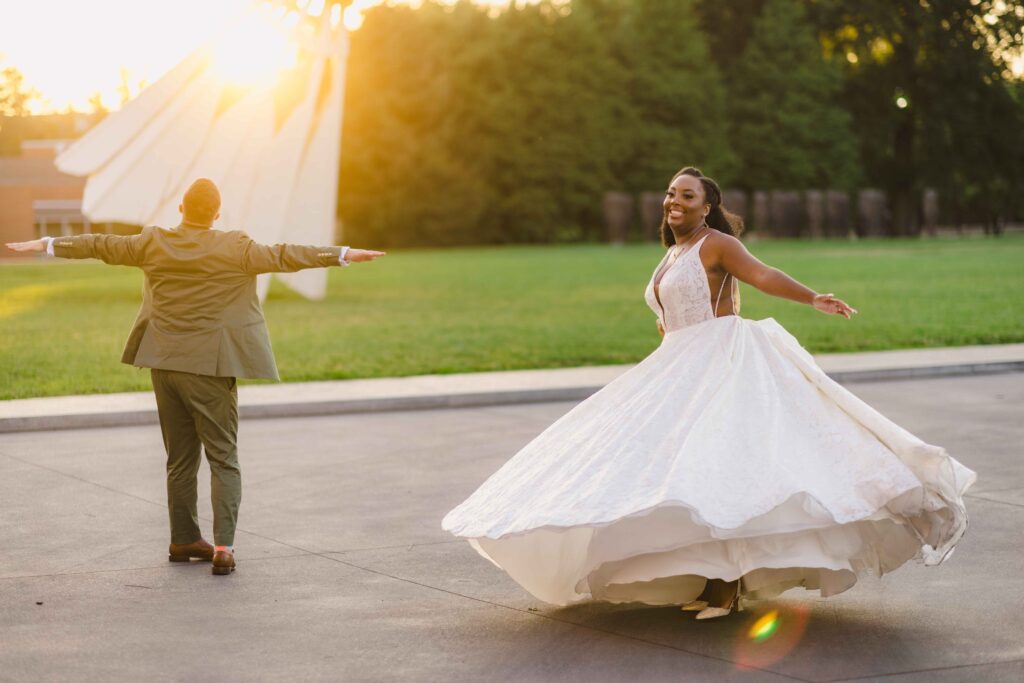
{"x":543,"y":616}
{"x":1009,"y":488}
{"x":366,"y":569}
{"x":980,"y":496}
{"x":84,"y":481}
{"x":166,"y":565}
{"x":377,"y":572}
{"x":132,"y":495}
{"x":207,"y":519}
{"x":920,"y":671}
{"x":976,"y":496}
{"x":390,"y":547}
{"x":97,"y":484}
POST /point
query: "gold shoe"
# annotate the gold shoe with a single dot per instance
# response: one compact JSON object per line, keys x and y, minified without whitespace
{"x":715,"y":612}
{"x":694,"y":606}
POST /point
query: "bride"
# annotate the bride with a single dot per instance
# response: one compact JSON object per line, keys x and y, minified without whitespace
{"x":725,"y":465}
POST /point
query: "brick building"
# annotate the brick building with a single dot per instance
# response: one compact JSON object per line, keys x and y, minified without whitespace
{"x":35,"y":198}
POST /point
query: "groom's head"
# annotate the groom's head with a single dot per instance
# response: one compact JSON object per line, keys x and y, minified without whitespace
{"x":201,"y":204}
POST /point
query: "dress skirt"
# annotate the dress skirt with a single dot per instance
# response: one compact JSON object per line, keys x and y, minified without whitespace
{"x":727,"y":453}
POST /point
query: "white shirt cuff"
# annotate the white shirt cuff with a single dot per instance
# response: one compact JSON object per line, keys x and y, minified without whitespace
{"x":49,"y":245}
{"x":341,"y":257}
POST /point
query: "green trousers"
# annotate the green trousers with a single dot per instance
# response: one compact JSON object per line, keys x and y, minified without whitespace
{"x":198,"y":411}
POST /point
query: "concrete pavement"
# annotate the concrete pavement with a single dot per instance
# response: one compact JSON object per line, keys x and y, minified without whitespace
{"x":476,"y":389}
{"x":345,"y":575}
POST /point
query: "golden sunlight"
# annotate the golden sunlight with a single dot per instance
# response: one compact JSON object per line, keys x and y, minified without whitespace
{"x":85,"y":61}
{"x":27,"y":297}
{"x":258,"y":48}
{"x":354,"y":13}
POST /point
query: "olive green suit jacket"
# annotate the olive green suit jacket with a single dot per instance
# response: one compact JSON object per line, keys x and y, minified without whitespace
{"x":200,"y":312}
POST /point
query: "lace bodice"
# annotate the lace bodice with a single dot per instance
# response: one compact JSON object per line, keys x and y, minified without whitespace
{"x":684,"y":293}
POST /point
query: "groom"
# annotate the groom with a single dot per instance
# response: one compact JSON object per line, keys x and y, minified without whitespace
{"x":199,"y":328}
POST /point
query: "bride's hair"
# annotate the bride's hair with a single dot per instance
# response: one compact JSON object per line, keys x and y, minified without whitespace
{"x":718,"y":218}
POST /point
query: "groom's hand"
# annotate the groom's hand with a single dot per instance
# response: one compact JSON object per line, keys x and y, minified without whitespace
{"x":34,"y":245}
{"x":361,"y":255}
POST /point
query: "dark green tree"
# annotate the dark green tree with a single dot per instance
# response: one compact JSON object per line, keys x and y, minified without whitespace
{"x":402,"y":180}
{"x":466,"y":128}
{"x":675,"y":97}
{"x":548,"y":108}
{"x":788,"y":128}
{"x":929,"y":87}
{"x":728,"y":27}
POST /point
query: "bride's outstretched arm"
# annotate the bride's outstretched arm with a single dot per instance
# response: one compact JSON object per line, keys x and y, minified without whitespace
{"x":735,"y":259}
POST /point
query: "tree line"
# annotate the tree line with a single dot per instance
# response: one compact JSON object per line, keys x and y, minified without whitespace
{"x":468,"y":125}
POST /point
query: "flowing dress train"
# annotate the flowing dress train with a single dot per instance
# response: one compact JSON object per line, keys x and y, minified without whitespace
{"x":727,"y":453}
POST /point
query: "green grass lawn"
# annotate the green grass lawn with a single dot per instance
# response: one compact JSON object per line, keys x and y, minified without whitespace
{"x":62,"y":325}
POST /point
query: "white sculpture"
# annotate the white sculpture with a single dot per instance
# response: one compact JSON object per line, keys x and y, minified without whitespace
{"x":258,"y":112}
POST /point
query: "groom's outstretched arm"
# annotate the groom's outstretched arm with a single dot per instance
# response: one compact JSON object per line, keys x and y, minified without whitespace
{"x":288,"y":258}
{"x":117,"y":250}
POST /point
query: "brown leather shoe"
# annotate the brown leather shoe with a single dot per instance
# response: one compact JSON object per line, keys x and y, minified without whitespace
{"x":201,"y":550}
{"x":223,"y":562}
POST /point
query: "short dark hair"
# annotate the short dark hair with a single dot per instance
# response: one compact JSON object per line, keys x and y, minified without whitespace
{"x":202,"y":201}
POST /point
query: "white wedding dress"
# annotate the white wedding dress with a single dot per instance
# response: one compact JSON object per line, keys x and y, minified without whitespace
{"x":727,"y":453}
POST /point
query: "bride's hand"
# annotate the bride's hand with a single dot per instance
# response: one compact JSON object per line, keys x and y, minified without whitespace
{"x":828,"y":303}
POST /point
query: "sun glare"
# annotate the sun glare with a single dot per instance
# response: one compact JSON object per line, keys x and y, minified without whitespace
{"x":257,"y":48}
{"x":353,"y":16}
{"x":255,"y":41}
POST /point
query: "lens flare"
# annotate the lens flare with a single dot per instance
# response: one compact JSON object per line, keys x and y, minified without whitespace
{"x":765,"y":627}
{"x":770,"y":637}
